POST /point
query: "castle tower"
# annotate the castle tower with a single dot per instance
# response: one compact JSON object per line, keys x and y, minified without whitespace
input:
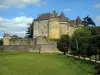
{"x":6,"y":39}
{"x":54,"y":26}
{"x":78,"y":20}
{"x":64,"y":26}
{"x":62,"y":17}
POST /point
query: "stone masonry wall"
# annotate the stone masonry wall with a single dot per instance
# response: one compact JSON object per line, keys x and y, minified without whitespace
{"x":40,"y":28}
{"x":46,"y":48}
{"x":29,"y":48}
{"x":22,"y":41}
{"x":49,"y":48}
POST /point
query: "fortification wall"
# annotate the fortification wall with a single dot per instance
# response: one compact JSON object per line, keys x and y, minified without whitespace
{"x":6,"y":40}
{"x":43,"y":40}
{"x":46,"y":48}
{"x":54,"y":28}
{"x":64,"y":28}
{"x":49,"y":48}
{"x":71,"y":30}
{"x":22,"y":41}
{"x":29,"y":48}
{"x":40,"y":28}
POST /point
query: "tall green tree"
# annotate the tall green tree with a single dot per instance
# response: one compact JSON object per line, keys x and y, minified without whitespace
{"x":1,"y":41}
{"x":79,"y":40}
{"x":29,"y":31}
{"x":96,"y":43}
{"x":63,"y":44}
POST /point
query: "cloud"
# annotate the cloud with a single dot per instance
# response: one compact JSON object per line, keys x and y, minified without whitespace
{"x":97,"y":18}
{"x":97,"y":5}
{"x":21,"y":13}
{"x":15,"y":26}
{"x":67,"y":9}
{"x":20,"y":3}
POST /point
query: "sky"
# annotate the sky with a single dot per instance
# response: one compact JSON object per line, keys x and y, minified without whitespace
{"x":15,"y":15}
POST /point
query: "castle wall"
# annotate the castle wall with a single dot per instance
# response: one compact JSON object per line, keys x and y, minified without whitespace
{"x":28,"y":48}
{"x":44,"y":48}
{"x":43,"y":40}
{"x":71,"y":30}
{"x":6,"y":40}
{"x":49,"y":48}
{"x":64,"y":28}
{"x":41,"y":28}
{"x":22,"y":41}
{"x":54,"y":28}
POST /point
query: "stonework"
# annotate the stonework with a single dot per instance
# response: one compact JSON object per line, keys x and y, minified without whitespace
{"x":6,"y":39}
{"x":53,"y":26}
{"x":40,"y":28}
{"x":45,"y":27}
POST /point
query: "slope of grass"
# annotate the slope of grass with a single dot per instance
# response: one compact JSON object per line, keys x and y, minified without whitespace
{"x":16,"y":63}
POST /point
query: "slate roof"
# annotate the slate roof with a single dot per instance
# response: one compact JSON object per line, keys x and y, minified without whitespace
{"x":62,"y":17}
{"x":45,"y":16}
{"x":78,"y":20}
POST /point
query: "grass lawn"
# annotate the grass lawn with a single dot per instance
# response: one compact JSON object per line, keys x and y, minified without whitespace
{"x":12,"y":63}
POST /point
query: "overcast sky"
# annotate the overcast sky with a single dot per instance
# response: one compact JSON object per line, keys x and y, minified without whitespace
{"x":16,"y":14}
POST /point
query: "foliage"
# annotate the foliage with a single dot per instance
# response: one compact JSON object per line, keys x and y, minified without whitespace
{"x":93,"y":30}
{"x":30,"y":31}
{"x":1,"y":41}
{"x":96,"y":43}
{"x":82,"y":32}
{"x":97,"y":67}
{"x":88,"y":42}
{"x":81,"y":38}
{"x":63,"y":43}
{"x":88,"y":21}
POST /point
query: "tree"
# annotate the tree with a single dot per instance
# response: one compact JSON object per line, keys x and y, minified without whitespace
{"x":1,"y":41}
{"x":30,"y":30}
{"x":96,"y":43}
{"x":63,"y":44}
{"x":93,"y":30}
{"x":84,"y":44}
{"x":81,"y":35}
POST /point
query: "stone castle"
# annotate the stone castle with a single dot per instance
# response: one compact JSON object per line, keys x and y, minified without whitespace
{"x":53,"y":26}
{"x":46,"y":26}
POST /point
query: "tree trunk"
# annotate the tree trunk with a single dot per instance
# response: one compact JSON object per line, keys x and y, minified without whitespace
{"x":84,"y":56}
{"x":95,"y":58}
{"x":90,"y":58}
{"x":99,"y":57}
{"x":64,"y":53}
{"x":79,"y":55}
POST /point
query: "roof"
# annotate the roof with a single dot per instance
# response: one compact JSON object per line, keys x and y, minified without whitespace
{"x":78,"y":20}
{"x":62,"y":17}
{"x":45,"y":16}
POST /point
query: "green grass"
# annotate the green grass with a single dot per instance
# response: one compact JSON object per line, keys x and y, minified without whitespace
{"x":19,"y":63}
